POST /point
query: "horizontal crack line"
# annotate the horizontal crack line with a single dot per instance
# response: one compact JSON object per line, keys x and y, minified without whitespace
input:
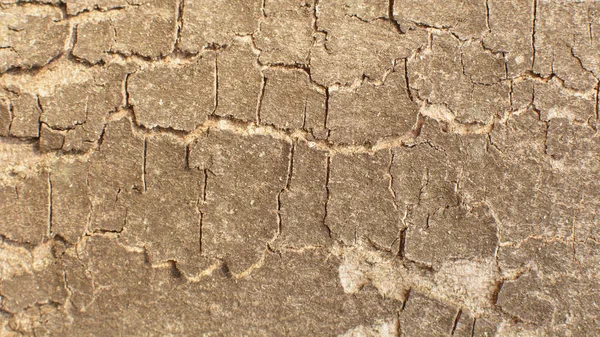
{"x":245,"y":128}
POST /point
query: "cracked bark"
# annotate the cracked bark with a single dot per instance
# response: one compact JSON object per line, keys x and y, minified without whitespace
{"x":328,"y":170}
{"x":492,"y":221}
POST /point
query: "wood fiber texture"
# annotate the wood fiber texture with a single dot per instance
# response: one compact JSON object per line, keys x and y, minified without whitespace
{"x":299,"y":168}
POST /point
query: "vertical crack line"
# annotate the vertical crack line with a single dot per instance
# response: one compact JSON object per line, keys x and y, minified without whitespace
{"x":597,"y":99}
{"x":290,"y":166}
{"x":180,"y":8}
{"x":497,"y":288}
{"x":473,"y":327}
{"x":398,"y":327}
{"x":11,"y":115}
{"x":117,"y":196}
{"x":205,"y":185}
{"x":216,"y":103}
{"x":115,"y":34}
{"x":187,"y":156}
{"x":464,"y":72}
{"x":533,"y":105}
{"x":406,"y":297}
{"x":49,"y":206}
{"x":72,"y":38}
{"x":102,"y":133}
{"x":286,"y":187}
{"x":304,"y":115}
{"x":533,"y":31}
{"x":327,"y":194}
{"x":402,"y":243}
{"x":87,"y":111}
{"x":326,"y":116}
{"x":144,"y":164}
{"x":317,"y":33}
{"x":126,"y":103}
{"x":279,"y":221}
{"x":68,"y":290}
{"x":262,"y":8}
{"x":39,"y":106}
{"x":511,"y":94}
{"x":391,"y":17}
{"x":199,"y":210}
{"x":455,"y":322}
{"x":546,"y":129}
{"x":410,"y":95}
{"x":261,"y":95}
{"x":315,"y":17}
{"x":391,"y":179}
{"x":487,"y":16}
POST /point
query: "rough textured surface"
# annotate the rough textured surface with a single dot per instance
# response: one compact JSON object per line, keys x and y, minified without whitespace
{"x":299,"y":168}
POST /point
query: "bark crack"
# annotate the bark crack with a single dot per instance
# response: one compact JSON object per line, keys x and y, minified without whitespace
{"x":327,"y":195}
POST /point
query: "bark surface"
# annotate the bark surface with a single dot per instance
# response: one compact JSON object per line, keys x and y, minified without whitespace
{"x":299,"y":167}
